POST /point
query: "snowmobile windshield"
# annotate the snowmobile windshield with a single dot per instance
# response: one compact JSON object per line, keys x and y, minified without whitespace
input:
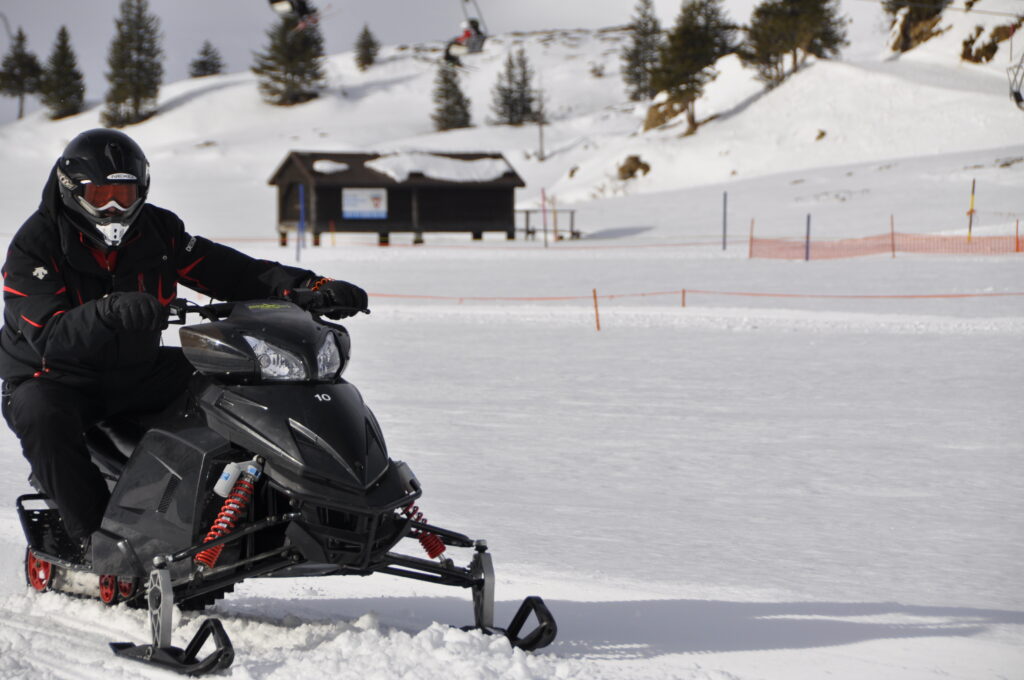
{"x":106,"y":197}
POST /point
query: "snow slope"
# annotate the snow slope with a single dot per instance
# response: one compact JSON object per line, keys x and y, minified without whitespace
{"x":747,"y":487}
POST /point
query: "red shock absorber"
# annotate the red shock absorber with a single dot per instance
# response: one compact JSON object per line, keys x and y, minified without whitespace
{"x":230,"y":514}
{"x":432,"y":543}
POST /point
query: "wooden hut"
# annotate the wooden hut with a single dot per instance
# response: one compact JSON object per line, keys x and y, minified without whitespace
{"x":400,"y":192}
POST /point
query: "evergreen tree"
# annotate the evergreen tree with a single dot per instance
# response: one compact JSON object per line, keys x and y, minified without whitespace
{"x":525,"y":96}
{"x":817,"y":29}
{"x":290,"y":71}
{"x":451,"y":105}
{"x":20,"y":72}
{"x":513,"y":95}
{"x":503,"y":94}
{"x":769,"y":39}
{"x":136,"y":68}
{"x":367,"y":48}
{"x":640,"y":56}
{"x":701,"y":36}
{"x":208,"y":63}
{"x":62,"y":87}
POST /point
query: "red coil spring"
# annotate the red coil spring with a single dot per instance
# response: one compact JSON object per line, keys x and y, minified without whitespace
{"x":432,"y":543}
{"x":230,"y":514}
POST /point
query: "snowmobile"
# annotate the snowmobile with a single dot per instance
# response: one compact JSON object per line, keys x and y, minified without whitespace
{"x":270,"y":465}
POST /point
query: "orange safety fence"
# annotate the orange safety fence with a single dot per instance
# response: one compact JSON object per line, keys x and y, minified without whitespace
{"x":793,"y":249}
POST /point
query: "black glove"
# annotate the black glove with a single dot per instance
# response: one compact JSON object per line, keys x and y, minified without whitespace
{"x":344,"y":294}
{"x":132,"y":312}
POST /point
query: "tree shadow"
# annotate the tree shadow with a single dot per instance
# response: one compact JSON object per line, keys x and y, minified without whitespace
{"x":650,"y":628}
{"x":617,"y":232}
{"x":182,"y":99}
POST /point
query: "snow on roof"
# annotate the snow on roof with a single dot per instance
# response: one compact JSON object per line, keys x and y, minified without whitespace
{"x":328,"y":167}
{"x":399,"y":166}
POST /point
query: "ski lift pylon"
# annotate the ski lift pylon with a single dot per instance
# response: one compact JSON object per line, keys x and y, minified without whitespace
{"x":1016,"y":77}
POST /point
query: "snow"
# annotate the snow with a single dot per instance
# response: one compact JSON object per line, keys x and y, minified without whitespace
{"x":802,"y":473}
{"x":325,"y":166}
{"x":398,"y":166}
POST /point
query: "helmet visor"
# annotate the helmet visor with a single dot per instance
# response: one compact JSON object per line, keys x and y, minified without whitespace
{"x":104,"y":197}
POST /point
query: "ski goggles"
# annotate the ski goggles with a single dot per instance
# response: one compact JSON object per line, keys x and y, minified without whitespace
{"x":106,"y":196}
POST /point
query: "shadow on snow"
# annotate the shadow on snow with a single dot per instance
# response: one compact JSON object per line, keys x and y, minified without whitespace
{"x":650,"y":628}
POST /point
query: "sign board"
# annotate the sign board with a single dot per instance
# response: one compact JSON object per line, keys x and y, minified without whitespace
{"x":364,"y":204}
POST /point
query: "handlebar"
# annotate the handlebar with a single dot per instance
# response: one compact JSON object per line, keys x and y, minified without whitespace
{"x":313,"y":301}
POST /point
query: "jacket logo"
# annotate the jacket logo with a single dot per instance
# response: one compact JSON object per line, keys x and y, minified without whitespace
{"x":191,"y":245}
{"x":40,"y":273}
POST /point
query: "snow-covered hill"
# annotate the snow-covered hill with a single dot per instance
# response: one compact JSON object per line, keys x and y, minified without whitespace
{"x":811,"y":470}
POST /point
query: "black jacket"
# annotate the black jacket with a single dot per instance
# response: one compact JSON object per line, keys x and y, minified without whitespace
{"x":52,"y":280}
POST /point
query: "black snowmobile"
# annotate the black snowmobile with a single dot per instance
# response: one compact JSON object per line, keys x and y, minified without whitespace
{"x":269,"y":465}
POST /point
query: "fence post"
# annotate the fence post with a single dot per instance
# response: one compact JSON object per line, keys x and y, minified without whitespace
{"x":597,"y":315}
{"x":684,"y":298}
{"x":544,"y":215}
{"x":750,"y":243}
{"x":807,"y":240}
{"x":892,"y":234}
{"x":725,"y":212}
{"x":970,"y":213}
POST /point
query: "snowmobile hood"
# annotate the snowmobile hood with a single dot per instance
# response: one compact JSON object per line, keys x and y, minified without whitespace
{"x":317,"y":437}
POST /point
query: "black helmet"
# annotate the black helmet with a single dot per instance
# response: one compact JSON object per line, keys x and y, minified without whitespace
{"x":104,"y":179}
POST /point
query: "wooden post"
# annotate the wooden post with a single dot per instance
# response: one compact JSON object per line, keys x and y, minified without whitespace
{"x":544,"y":215}
{"x":597,"y":315}
{"x":282,"y":237}
{"x":807,"y":240}
{"x":725,"y":211}
{"x":750,"y":243}
{"x":970,"y":213}
{"x":554,"y":216}
{"x":684,"y":298}
{"x":892,"y":234}
{"x":417,"y":236}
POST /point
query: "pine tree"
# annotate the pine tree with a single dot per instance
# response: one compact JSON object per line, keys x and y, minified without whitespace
{"x":918,"y":10}
{"x":20,"y":72}
{"x":290,"y":71}
{"x":451,"y":105}
{"x":503,"y":94}
{"x":640,"y":56}
{"x":817,"y":29}
{"x":62,"y":87}
{"x":769,"y":39}
{"x":136,"y":68}
{"x":367,"y":48}
{"x":525,"y":96}
{"x":701,"y":36}
{"x":208,"y":63}
{"x":513,"y":96}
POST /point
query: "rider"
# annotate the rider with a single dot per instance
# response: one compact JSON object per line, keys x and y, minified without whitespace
{"x":87,"y":282}
{"x":470,"y":41}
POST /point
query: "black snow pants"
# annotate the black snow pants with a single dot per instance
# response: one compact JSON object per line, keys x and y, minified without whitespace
{"x":50,"y":418}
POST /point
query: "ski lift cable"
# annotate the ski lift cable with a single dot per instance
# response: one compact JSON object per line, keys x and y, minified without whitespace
{"x":955,"y":9}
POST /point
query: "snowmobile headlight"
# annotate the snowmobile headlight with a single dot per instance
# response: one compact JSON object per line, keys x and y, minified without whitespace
{"x":276,"y":363}
{"x":328,"y":359}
